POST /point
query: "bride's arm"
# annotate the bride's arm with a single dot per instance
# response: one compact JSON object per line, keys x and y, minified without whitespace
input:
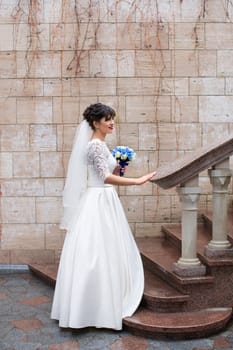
{"x":127,"y":181}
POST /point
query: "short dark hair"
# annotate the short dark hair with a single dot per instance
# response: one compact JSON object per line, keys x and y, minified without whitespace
{"x":97,"y":111}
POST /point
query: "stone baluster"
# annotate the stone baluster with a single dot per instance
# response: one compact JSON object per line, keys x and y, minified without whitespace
{"x":189,"y":264}
{"x":220,"y":176}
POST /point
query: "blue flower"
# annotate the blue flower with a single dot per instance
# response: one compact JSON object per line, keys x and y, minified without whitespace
{"x":123,"y":155}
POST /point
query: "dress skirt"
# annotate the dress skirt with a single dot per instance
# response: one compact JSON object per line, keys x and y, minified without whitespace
{"x":100,"y":277}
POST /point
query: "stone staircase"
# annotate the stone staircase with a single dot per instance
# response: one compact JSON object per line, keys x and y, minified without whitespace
{"x":174,"y":306}
{"x":189,"y":270}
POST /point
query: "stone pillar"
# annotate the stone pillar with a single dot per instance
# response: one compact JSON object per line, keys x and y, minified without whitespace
{"x":189,"y":264}
{"x":220,"y":176}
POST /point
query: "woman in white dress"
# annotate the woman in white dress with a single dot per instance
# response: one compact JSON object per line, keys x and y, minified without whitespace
{"x":100,"y":278}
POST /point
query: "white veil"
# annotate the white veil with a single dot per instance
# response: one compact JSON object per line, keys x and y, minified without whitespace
{"x":76,"y":180}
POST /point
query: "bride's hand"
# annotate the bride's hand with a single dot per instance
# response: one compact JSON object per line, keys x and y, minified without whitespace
{"x":143,"y":179}
{"x":117,"y":169}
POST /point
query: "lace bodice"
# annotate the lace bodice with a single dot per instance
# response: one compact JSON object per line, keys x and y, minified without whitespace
{"x":100,"y":162}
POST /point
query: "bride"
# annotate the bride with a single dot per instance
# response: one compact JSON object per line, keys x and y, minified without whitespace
{"x":100,"y":278}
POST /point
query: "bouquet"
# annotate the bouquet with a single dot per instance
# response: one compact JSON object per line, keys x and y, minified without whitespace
{"x":123,"y":155}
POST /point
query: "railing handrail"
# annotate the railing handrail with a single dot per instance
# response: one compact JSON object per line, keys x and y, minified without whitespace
{"x":184,"y":168}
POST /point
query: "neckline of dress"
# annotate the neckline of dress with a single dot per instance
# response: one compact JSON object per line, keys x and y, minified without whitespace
{"x":97,"y":140}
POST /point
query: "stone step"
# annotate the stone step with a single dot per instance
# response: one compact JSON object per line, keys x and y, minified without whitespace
{"x":207,"y":218}
{"x":47,"y":273}
{"x":159,"y":255}
{"x":178,"y":325}
{"x":173,"y":233}
{"x":160,"y":296}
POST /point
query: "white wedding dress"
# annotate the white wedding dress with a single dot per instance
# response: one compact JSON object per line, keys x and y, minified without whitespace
{"x":100,"y":277}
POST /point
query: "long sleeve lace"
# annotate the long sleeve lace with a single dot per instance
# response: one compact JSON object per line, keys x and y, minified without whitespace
{"x":97,"y":155}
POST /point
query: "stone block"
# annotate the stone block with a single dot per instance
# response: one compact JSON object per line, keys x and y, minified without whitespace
{"x":54,"y":237}
{"x":124,"y":11}
{"x":8,"y":64}
{"x":32,"y":256}
{"x":176,"y":210}
{"x":51,"y":164}
{"x":229,"y":86}
{"x":75,"y":63}
{"x":66,"y":110}
{"x":155,"y":36}
{"x":138,"y":86}
{"x":65,"y":137}
{"x":224,"y":63}
{"x":216,"y":11}
{"x":6,"y":165}
{"x":21,"y":87}
{"x":168,"y":156}
{"x":148,"y":229}
{"x":103,"y":63}
{"x":8,"y":110}
{"x":26,"y":12}
{"x":133,"y":206}
{"x":169,"y":11}
{"x":215,"y":109}
{"x":54,"y":11}
{"x":106,"y":36}
{"x":188,"y":11}
{"x":125,"y":63}
{"x":128,"y":36}
{"x":206,"y":187}
{"x":207,"y":86}
{"x":45,"y":64}
{"x":140,"y":165}
{"x":186,"y":36}
{"x":219,"y":36}
{"x":144,"y":190}
{"x":26,"y":164}
{"x":152,"y":160}
{"x":48,"y":210}
{"x":174,"y":86}
{"x":185,"y":63}
{"x":57,"y":87}
{"x":20,"y":236}
{"x":23,"y":187}
{"x":148,"y":136}
{"x":153,"y":63}
{"x":53,"y":187}
{"x":31,"y":37}
{"x":212,"y":131}
{"x":29,"y":87}
{"x":207,"y":63}
{"x":18,"y":210}
{"x":157,"y":209}
{"x":179,"y":136}
{"x":93,"y":87}
{"x":8,"y":13}
{"x":34,"y":110}
{"x":4,"y":256}
{"x":72,"y":36}
{"x":43,"y":137}
{"x":184,"y":109}
{"x":142,"y":109}
{"x":7,"y":37}
{"x":14,"y":138}
{"x":128,"y":135}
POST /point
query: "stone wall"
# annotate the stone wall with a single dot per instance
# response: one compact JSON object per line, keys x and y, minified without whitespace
{"x":166,"y":66}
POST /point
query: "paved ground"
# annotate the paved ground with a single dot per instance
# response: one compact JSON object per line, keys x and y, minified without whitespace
{"x":25,"y":304}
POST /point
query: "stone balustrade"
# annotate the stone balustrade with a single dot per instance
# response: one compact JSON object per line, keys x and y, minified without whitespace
{"x":184,"y":174}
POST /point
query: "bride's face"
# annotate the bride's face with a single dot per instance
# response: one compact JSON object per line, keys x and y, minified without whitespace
{"x":105,"y":126}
